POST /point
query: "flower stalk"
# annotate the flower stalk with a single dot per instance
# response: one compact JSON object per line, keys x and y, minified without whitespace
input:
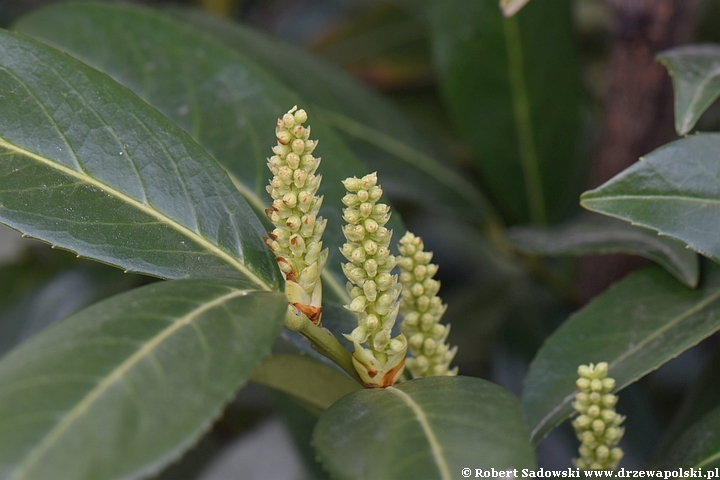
{"x":598,"y":425}
{"x":422,"y":311}
{"x":374,"y":291}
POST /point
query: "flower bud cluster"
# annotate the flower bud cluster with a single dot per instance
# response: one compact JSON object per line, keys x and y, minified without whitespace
{"x":598,"y":425}
{"x":373,"y":290}
{"x":422,"y":310}
{"x":296,"y":239}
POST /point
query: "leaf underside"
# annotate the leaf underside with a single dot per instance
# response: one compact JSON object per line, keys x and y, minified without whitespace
{"x":596,"y":234}
{"x":695,"y":71}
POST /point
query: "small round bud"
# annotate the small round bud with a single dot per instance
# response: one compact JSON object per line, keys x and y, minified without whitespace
{"x":300,"y":116}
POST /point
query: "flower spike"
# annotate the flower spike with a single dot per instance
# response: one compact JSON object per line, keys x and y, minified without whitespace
{"x":373,"y":290}
{"x":422,"y":310}
{"x":598,"y":425}
{"x":296,"y":239}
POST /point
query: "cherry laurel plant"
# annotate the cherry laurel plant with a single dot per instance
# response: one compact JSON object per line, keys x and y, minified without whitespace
{"x":139,"y":139}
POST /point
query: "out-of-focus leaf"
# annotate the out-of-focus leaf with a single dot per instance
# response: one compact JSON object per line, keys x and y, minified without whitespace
{"x":640,"y":323}
{"x":60,"y":296}
{"x":513,"y":86}
{"x":217,"y":94}
{"x":122,"y":388}
{"x":511,"y":7}
{"x":702,"y":397}
{"x":597,"y":235}
{"x":698,"y":447}
{"x":411,"y":163}
{"x":301,"y":424}
{"x":90,"y":167}
{"x":438,"y":425}
{"x":306,"y":379}
{"x":695,"y":71}
{"x":673,"y":190}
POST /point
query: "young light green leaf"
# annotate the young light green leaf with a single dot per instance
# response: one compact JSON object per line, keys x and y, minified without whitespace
{"x":596,"y":234}
{"x":88,"y":166}
{"x":122,"y":388}
{"x":224,"y":100}
{"x":383,"y":137}
{"x":673,"y":190}
{"x":513,"y":86}
{"x":438,"y":425}
{"x":695,"y":72}
{"x":511,"y":7}
{"x":636,"y":326}
{"x":698,"y":447}
{"x":312,"y":382}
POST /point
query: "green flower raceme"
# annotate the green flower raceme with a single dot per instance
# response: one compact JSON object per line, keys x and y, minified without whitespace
{"x":296,"y":239}
{"x":373,"y":289}
{"x":422,"y":310}
{"x":598,"y":425}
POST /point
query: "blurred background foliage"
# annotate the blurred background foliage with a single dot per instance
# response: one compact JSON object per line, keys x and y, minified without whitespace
{"x":448,"y":64}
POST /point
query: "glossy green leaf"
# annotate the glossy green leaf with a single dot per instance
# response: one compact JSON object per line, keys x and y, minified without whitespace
{"x":695,"y":72}
{"x":513,"y":86}
{"x":636,"y":326}
{"x":88,"y":166}
{"x":412,"y":164}
{"x":673,"y":190}
{"x":313,"y":383}
{"x":598,"y":235}
{"x":698,"y":447}
{"x":427,"y":428}
{"x":124,"y":387}
{"x":226,"y":102}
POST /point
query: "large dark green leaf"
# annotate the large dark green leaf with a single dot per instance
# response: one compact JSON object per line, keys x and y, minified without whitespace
{"x":412,"y":163}
{"x":88,"y":166}
{"x":673,"y":190}
{"x":513,"y":86}
{"x":227,"y":103}
{"x":695,"y":71}
{"x":597,"y":235}
{"x":426,"y":428}
{"x":639,"y":324}
{"x":698,"y":447}
{"x":122,"y":388}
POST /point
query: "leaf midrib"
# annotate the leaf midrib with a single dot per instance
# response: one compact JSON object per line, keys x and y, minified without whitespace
{"x":435,"y":447}
{"x":194,"y":236}
{"x":690,"y":311}
{"x":118,"y":373}
{"x":604,"y":198}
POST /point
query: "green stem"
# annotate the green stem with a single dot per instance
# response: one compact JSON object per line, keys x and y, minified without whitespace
{"x":324,"y":342}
